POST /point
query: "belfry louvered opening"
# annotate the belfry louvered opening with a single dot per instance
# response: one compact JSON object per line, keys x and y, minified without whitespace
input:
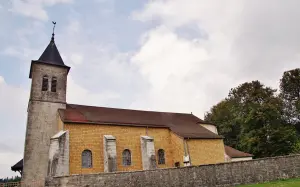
{"x":45,"y":83}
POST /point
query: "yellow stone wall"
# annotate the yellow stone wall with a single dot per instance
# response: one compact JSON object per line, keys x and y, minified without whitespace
{"x":90,"y":136}
{"x":208,"y":151}
{"x":178,"y":148}
{"x":162,"y":140}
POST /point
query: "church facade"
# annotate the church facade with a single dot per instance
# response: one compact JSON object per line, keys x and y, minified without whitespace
{"x":65,"y":139}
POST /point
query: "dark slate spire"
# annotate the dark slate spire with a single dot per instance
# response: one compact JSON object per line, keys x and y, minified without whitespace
{"x":51,"y":54}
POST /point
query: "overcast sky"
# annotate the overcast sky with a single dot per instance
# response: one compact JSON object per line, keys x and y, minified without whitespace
{"x":165,"y":55}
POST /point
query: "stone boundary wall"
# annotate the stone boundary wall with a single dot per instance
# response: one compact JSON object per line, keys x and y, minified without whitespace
{"x":220,"y":175}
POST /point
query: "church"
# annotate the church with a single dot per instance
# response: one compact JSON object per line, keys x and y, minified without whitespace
{"x":66,"y":139}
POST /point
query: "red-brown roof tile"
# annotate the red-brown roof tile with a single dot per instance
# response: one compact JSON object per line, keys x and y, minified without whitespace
{"x":233,"y":153}
{"x":184,"y":125}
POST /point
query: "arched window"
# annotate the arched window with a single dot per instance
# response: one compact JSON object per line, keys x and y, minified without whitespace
{"x":86,"y":159}
{"x":161,"y":156}
{"x":53,"y":84}
{"x":126,"y":155}
{"x":45,"y":83}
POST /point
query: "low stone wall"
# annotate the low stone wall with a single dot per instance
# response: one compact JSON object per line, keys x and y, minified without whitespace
{"x":220,"y":175}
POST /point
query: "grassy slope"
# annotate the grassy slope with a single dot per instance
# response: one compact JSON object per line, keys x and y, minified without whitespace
{"x":281,"y":183}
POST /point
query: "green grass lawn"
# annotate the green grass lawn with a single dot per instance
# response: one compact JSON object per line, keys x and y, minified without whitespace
{"x":280,"y":183}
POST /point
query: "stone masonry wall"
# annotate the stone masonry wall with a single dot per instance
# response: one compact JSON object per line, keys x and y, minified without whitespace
{"x":178,"y":148}
{"x":42,"y":121}
{"x":41,"y":126}
{"x":202,"y":152}
{"x":40,"y":70}
{"x":219,"y":175}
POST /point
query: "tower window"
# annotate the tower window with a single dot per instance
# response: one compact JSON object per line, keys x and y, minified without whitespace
{"x":161,"y":156}
{"x":126,"y":155}
{"x":53,"y":84}
{"x":45,"y":83}
{"x":86,"y":157}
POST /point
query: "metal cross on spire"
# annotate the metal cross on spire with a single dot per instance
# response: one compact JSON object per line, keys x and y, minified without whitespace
{"x":54,"y":23}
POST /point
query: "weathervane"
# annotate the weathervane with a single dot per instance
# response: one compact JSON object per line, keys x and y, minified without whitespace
{"x":54,"y":23}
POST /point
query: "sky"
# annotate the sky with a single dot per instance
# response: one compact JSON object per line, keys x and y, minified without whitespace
{"x":162,"y":55}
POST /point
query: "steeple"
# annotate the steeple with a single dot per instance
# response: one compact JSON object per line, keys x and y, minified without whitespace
{"x":51,"y":54}
{"x":48,"y":94}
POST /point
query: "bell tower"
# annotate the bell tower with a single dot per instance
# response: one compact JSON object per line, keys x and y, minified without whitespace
{"x":47,"y":95}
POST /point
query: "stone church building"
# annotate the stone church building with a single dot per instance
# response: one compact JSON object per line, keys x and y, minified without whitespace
{"x":66,"y":139}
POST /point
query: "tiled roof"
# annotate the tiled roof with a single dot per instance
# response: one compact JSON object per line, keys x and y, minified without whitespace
{"x":233,"y":153}
{"x":184,"y":125}
{"x":50,"y":56}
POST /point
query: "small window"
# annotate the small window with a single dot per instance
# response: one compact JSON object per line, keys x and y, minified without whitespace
{"x":45,"y":83}
{"x":53,"y":84}
{"x":86,"y":159}
{"x":161,"y":156}
{"x":126,"y":155}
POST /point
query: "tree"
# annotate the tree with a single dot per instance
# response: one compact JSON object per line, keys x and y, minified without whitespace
{"x":11,"y":179}
{"x":224,"y":116}
{"x":251,"y":119}
{"x":290,"y":94}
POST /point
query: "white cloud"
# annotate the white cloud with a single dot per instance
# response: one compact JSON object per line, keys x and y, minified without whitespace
{"x":244,"y":41}
{"x":1,"y":80}
{"x":8,"y":160}
{"x":100,"y":69}
{"x":172,"y":56}
{"x":13,"y":116}
{"x":34,"y":8}
{"x":22,"y":53}
{"x":77,"y":94}
{"x":76,"y":58}
{"x":181,"y":73}
{"x":30,"y":9}
{"x":176,"y":13}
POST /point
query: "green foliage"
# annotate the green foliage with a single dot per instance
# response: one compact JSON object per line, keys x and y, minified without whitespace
{"x":11,"y":179}
{"x":290,"y":94}
{"x":254,"y":119}
{"x":296,"y":147}
{"x":224,"y":115}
